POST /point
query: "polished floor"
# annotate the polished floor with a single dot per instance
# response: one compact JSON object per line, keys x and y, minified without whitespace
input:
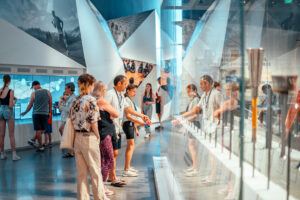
{"x":43,"y":176}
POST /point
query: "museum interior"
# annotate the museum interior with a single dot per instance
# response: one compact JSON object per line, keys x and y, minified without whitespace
{"x":202,"y":99}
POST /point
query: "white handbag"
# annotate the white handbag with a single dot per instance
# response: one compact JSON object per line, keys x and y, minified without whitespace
{"x":68,"y":137}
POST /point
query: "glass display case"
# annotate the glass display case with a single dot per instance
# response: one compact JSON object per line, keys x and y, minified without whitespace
{"x":21,"y":84}
{"x":239,"y":139}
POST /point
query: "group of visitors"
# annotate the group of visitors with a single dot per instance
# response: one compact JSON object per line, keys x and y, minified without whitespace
{"x":205,"y":111}
{"x":97,"y":119}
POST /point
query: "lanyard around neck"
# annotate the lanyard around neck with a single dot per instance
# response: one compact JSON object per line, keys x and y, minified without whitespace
{"x":133,"y":104}
{"x":119,"y":98}
{"x":207,"y":99}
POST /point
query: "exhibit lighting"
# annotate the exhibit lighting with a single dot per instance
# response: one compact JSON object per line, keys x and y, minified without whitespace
{"x":158,"y":44}
{"x":288,"y":1}
{"x":255,"y":69}
{"x":178,"y":17}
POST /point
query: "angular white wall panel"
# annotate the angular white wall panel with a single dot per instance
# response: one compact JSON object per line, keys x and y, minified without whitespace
{"x":19,"y":48}
{"x":141,"y":45}
{"x":206,"y":52}
{"x":101,"y":56}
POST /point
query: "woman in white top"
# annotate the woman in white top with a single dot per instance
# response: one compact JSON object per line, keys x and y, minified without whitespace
{"x":194,"y":100}
{"x":130,"y":128}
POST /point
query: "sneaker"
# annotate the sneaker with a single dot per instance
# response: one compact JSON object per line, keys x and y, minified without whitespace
{"x":3,"y":156}
{"x":133,"y":170}
{"x":15,"y":157}
{"x":127,"y":173}
{"x":189,"y":169}
{"x":31,"y":142}
{"x":50,"y":145}
{"x":147,"y":135}
{"x":45,"y":146}
{"x":40,"y":149}
{"x":192,"y":173}
{"x":108,"y":192}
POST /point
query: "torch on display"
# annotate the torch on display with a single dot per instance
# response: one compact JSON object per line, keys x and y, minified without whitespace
{"x":255,"y":69}
{"x":283,"y":85}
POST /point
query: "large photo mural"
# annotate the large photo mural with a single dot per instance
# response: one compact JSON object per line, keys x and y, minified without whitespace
{"x":54,"y":22}
{"x":136,"y":71}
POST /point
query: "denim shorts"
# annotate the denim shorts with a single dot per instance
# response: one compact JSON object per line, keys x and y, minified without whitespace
{"x":6,"y":112}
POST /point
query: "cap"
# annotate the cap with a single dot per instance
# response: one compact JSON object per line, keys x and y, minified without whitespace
{"x":34,"y":83}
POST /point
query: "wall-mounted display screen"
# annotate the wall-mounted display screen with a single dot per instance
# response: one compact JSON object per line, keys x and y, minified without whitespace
{"x":21,"y":84}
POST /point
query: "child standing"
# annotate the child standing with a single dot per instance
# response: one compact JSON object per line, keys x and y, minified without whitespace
{"x":48,"y":132}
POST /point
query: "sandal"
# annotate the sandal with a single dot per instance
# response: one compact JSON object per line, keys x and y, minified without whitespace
{"x":68,"y":155}
{"x":116,"y":184}
{"x":118,"y":180}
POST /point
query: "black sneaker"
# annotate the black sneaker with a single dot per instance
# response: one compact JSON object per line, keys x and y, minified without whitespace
{"x":31,"y":142}
{"x":40,"y":149}
{"x":45,"y":146}
{"x":50,"y":145}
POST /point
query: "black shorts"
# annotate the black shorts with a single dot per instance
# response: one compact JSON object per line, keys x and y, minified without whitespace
{"x":158,"y":107}
{"x":116,"y":143}
{"x":40,"y":122}
{"x":128,"y":128}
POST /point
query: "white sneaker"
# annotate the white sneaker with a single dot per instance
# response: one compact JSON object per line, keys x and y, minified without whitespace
{"x":3,"y":156}
{"x":127,"y":173}
{"x":147,"y":135}
{"x":189,"y":169}
{"x":15,"y":157}
{"x":192,"y":173}
{"x":40,"y":149}
{"x":133,"y":170}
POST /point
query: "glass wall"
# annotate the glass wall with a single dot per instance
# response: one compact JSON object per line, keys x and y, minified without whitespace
{"x":241,"y":139}
{"x":21,"y":84}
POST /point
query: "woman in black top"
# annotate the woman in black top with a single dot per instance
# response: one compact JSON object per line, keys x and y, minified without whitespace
{"x":106,"y":129}
{"x":7,"y":102}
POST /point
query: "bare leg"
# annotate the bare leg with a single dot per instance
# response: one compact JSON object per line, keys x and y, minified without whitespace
{"x":2,"y":134}
{"x":61,"y":129}
{"x":39,"y":136}
{"x":159,"y":117}
{"x":112,"y":174}
{"x":212,"y":168}
{"x":11,"y":128}
{"x":50,"y":138}
{"x":46,"y":138}
{"x":193,"y":151}
{"x":129,"y":153}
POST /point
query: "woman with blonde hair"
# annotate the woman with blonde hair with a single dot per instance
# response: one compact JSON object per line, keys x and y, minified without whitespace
{"x":7,"y":102}
{"x":106,"y":129}
{"x":84,"y":115}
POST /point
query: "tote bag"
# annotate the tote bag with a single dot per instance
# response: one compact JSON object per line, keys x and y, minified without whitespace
{"x":68,"y":137}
